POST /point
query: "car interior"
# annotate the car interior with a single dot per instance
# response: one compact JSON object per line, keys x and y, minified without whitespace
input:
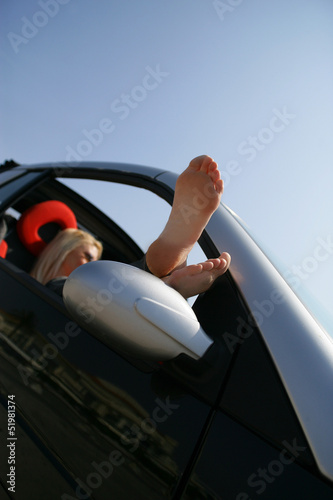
{"x":41,"y":213}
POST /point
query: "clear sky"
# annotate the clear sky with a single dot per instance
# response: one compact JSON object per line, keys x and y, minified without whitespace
{"x":247,"y":82}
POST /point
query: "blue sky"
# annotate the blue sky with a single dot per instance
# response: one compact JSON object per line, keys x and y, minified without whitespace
{"x":247,"y":82}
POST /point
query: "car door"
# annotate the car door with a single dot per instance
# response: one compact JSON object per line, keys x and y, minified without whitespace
{"x":92,"y":422}
{"x":255,"y":447}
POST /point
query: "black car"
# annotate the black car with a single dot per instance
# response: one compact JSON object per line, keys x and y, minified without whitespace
{"x":83,"y":417}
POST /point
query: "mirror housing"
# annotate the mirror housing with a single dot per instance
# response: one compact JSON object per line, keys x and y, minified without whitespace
{"x":133,"y":312}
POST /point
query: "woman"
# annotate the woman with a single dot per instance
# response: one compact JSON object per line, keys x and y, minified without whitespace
{"x":67,"y":251}
{"x":166,"y":256}
{"x":73,"y":247}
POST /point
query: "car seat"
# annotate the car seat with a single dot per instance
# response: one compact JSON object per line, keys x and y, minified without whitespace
{"x":26,"y":237}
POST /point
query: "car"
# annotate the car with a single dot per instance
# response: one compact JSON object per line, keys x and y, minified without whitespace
{"x":238,"y":407}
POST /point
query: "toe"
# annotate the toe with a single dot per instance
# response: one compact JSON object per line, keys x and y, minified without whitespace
{"x":214,"y":175}
{"x":206,"y":164}
{"x":226,"y":259}
{"x":219,"y":186}
{"x":208,"y":265}
{"x":212,"y":167}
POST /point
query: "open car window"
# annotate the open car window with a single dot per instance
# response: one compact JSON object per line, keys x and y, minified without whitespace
{"x":125,"y":218}
{"x":139,"y":212}
{"x":117,"y":244}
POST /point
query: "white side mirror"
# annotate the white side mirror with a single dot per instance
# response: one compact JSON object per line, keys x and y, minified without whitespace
{"x":134,"y":312}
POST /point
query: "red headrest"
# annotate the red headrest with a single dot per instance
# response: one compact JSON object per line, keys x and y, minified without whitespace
{"x":3,"y":249}
{"x":36,"y":216}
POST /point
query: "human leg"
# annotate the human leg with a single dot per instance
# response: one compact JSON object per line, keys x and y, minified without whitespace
{"x":197,"y":196}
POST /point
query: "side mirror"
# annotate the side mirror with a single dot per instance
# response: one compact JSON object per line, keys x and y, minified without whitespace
{"x":133,"y":312}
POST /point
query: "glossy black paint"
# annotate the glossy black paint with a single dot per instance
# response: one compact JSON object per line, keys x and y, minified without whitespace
{"x":92,"y":424}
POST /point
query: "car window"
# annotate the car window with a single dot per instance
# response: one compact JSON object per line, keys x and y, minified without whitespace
{"x":117,"y":244}
{"x":12,"y":190}
{"x":141,"y":213}
{"x":9,"y":175}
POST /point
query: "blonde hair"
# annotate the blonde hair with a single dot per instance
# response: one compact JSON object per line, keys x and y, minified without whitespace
{"x":50,"y":260}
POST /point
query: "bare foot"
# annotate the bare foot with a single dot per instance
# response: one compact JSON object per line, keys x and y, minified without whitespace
{"x":197,"y":278}
{"x":197,"y":196}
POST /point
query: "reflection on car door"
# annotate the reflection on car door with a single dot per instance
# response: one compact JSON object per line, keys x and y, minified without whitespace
{"x":111,"y":429}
